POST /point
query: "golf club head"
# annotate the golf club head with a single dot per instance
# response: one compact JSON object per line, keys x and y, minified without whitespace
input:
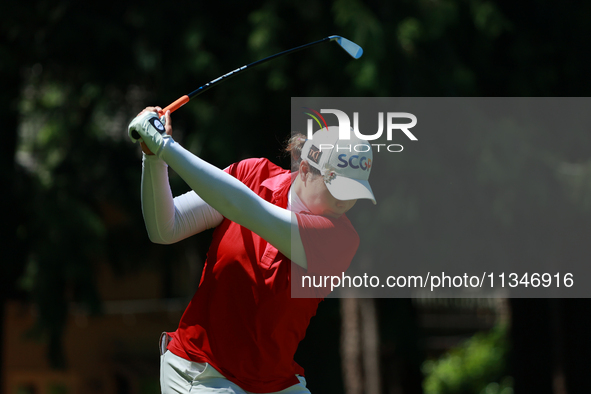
{"x":352,"y":49}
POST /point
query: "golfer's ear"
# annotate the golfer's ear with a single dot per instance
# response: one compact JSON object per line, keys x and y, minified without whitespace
{"x":304,"y":169}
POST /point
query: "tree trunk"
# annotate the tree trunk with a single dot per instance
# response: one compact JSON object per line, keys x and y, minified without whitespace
{"x":360,"y":346}
{"x":351,"y":346}
{"x":371,"y":348}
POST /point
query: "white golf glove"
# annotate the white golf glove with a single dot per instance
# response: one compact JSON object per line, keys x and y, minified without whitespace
{"x":149,"y":129}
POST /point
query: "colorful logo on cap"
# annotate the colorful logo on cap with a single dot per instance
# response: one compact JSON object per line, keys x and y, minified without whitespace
{"x":315,"y":118}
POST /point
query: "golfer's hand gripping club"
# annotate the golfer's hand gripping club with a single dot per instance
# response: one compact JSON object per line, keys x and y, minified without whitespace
{"x":148,"y":128}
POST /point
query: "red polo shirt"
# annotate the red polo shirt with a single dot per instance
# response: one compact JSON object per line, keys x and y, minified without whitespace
{"x":242,"y":320}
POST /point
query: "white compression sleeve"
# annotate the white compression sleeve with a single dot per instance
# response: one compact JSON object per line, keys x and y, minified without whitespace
{"x":236,"y":201}
{"x":170,"y":220}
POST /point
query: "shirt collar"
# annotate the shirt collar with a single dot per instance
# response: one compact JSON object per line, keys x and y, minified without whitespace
{"x":280,"y":181}
{"x":279,"y":185}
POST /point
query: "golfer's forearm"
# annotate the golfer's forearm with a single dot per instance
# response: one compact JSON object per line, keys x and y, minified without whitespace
{"x":157,"y":201}
{"x":222,"y":191}
{"x":170,"y":220}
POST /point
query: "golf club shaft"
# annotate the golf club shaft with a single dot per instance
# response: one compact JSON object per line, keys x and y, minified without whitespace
{"x":185,"y":99}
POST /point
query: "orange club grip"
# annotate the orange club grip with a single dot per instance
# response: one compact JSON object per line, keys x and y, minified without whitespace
{"x":175,"y":105}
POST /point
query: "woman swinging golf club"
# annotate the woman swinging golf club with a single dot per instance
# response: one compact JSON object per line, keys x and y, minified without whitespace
{"x":242,"y":327}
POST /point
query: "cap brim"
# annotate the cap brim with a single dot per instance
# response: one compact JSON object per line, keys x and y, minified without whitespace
{"x":343,"y":188}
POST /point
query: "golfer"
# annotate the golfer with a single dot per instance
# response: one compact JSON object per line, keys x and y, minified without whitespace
{"x":242,"y":327}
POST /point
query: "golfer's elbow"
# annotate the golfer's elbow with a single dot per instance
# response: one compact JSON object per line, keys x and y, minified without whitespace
{"x":157,"y":238}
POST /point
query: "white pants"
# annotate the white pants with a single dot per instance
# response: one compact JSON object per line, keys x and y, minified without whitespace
{"x":180,"y":376}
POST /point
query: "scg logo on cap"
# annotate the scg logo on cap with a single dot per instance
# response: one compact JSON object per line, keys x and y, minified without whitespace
{"x":354,"y":162}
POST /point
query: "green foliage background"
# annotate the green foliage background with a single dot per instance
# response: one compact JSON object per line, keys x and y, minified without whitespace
{"x":479,"y":365}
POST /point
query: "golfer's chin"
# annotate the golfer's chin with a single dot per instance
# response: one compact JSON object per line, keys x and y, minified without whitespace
{"x":332,"y":214}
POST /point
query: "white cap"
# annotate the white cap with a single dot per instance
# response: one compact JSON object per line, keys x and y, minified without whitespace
{"x":344,"y":164}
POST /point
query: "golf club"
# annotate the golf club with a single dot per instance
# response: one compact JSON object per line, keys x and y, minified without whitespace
{"x":349,"y":46}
